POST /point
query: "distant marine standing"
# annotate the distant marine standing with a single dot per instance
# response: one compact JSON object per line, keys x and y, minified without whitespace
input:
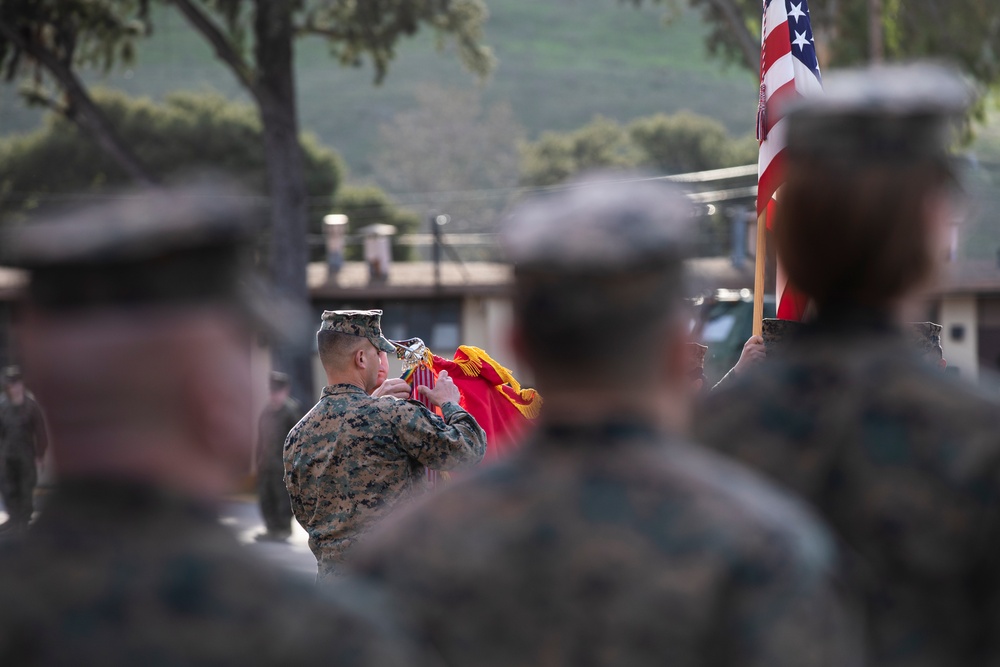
{"x":278,"y":418}
{"x":23,"y":443}
{"x":902,"y":460}
{"x":353,"y":458}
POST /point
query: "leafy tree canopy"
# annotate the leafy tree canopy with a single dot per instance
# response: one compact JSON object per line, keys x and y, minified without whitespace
{"x":666,"y":144}
{"x":74,"y":33}
{"x":353,"y":30}
{"x":687,"y":142}
{"x":966,"y":32}
{"x":187,"y":132}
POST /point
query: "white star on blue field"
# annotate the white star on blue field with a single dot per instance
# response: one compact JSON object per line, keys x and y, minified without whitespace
{"x":800,"y":27}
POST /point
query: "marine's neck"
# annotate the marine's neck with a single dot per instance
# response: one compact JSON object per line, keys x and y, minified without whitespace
{"x":346,"y":377}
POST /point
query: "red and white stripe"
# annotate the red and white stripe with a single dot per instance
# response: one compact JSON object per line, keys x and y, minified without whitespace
{"x":783,"y":77}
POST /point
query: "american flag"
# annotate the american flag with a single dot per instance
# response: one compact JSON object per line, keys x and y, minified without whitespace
{"x":789,"y":68}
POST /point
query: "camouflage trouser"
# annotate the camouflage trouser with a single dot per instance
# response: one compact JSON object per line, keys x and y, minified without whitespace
{"x":18,"y":478}
{"x":274,"y":503}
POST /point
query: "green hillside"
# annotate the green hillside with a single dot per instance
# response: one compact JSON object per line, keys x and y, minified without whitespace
{"x":561,"y":62}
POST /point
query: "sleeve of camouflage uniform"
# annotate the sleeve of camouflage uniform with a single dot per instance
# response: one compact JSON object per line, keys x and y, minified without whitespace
{"x":455,"y":441}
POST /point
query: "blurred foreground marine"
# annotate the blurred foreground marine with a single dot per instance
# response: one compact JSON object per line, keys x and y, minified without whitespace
{"x":608,"y":539}
{"x":903,"y":461}
{"x":280,"y":416}
{"x":23,"y":441}
{"x":133,"y":337}
{"x":354,"y":457}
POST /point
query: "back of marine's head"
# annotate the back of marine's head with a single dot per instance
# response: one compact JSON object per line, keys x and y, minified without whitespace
{"x":869,"y":179}
{"x":135,"y":329}
{"x":598,"y":277}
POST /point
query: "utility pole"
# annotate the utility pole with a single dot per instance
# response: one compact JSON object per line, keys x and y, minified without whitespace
{"x":437,"y":221}
{"x":876,"y":50}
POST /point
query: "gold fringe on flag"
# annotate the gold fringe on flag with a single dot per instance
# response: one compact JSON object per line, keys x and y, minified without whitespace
{"x":472,"y":366}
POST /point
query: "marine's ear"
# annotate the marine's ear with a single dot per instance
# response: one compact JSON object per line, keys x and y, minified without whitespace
{"x":359,"y":358}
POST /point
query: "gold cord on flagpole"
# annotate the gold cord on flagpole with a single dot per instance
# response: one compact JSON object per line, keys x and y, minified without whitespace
{"x":759,"y":274}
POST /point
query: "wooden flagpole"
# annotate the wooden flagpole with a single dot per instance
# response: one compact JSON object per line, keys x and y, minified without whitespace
{"x":759,"y":274}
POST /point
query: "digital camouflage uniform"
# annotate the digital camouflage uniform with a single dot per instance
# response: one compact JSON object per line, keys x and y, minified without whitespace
{"x":611,"y":541}
{"x":275,"y":424}
{"x":23,"y":440}
{"x":353,"y":458}
{"x":902,"y":460}
{"x":113,"y":574}
{"x":116,"y":571}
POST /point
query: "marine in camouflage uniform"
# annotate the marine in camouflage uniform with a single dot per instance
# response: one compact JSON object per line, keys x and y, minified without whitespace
{"x":23,"y":441}
{"x":609,"y":539}
{"x":353,"y":458}
{"x":278,"y":418}
{"x":902,"y":460}
{"x":121,"y":574}
{"x":136,"y":337}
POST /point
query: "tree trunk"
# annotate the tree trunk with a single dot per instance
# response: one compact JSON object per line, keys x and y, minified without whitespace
{"x":875,"y":48}
{"x":289,"y":252}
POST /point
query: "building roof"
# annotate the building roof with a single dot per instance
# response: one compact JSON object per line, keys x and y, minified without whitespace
{"x":416,"y":279}
{"x":412,"y":280}
{"x":970,"y":276}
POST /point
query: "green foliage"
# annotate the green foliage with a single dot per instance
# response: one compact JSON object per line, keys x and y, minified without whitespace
{"x":94,"y":33}
{"x":687,"y":142}
{"x":368,"y":205}
{"x":355,"y":29}
{"x":667,"y":144}
{"x":75,"y":33}
{"x":560,"y":65}
{"x":556,"y":156}
{"x":188,"y":132}
{"x":966,"y":32}
{"x":724,"y":35}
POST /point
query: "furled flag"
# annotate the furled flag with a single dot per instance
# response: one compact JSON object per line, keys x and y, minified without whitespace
{"x":789,"y":68}
{"x":490,"y":393}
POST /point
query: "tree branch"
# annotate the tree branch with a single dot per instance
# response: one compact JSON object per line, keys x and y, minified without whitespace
{"x":91,"y":118}
{"x":223,"y":48}
{"x":310,"y":29}
{"x":748,"y":44}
